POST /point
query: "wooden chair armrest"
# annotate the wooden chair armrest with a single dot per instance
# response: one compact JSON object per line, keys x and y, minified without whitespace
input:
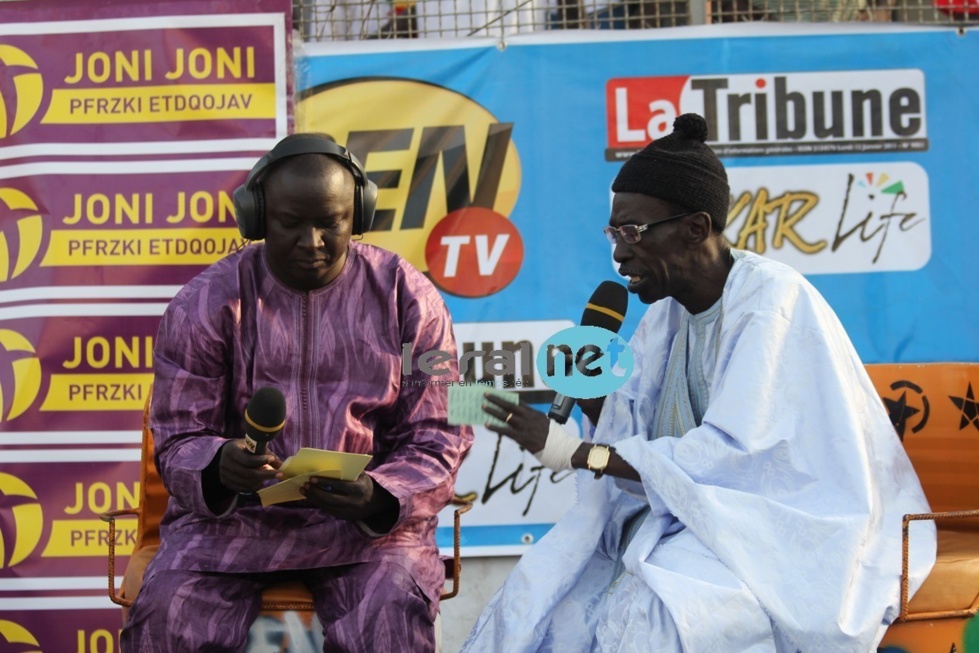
{"x":905,"y":525}
{"x":110,"y":517}
{"x":464,"y":507}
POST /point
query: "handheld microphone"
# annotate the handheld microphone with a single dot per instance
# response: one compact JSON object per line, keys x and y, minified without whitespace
{"x":265,"y":416}
{"x":605,"y":309}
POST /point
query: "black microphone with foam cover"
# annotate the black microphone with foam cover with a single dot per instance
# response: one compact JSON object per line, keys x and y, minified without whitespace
{"x":265,"y":416}
{"x":605,"y":309}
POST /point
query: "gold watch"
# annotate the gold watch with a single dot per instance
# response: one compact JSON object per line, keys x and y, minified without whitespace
{"x":598,"y":457}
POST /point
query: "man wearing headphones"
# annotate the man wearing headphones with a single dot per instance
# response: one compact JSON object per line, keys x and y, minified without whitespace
{"x":322,"y":319}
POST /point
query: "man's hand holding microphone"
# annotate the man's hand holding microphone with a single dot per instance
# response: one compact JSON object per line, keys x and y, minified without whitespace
{"x":245,"y":464}
{"x":543,"y":435}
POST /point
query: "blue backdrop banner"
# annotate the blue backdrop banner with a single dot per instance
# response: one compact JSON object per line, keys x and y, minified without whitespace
{"x":846,"y":148}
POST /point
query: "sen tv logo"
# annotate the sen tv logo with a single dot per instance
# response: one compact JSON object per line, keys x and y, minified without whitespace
{"x":771,"y":114}
{"x":447,"y":171}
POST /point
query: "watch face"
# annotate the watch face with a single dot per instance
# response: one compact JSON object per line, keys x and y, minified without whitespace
{"x":598,"y":458}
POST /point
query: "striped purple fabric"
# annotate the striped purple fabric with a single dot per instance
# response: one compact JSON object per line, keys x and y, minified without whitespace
{"x":365,"y":607}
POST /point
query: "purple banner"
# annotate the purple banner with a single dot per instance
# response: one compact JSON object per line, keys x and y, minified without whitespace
{"x":124,"y":128}
{"x":90,"y":630}
{"x":95,"y":375}
{"x":108,"y":228}
{"x":50,"y":525}
{"x":173,"y":79}
{"x":94,"y":630}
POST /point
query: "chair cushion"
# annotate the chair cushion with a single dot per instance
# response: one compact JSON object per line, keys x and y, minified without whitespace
{"x":953,"y":582}
{"x":292,"y":592}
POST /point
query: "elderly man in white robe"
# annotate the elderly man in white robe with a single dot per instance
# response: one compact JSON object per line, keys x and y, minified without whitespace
{"x":750,"y":486}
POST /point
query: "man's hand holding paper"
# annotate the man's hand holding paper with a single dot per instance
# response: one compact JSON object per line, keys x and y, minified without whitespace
{"x":360,"y":500}
{"x":297,"y":471}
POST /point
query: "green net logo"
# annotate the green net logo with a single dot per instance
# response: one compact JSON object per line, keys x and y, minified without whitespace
{"x":17,"y":253}
{"x":18,"y":540}
{"x":20,"y":375}
{"x":19,"y":104}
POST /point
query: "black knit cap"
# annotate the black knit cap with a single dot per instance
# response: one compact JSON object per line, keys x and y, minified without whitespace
{"x":681,"y":169}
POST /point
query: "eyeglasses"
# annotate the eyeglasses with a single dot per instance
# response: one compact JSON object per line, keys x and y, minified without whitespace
{"x":632,"y":233}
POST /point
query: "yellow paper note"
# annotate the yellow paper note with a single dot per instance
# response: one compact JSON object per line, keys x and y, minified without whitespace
{"x":310,"y":462}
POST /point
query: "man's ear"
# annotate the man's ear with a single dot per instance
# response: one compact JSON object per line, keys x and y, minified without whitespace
{"x":698,"y":229}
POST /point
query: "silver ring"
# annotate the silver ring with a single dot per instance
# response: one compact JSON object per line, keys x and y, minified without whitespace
{"x":507,"y":420}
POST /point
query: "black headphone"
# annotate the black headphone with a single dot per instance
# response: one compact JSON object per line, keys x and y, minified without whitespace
{"x":249,"y":200}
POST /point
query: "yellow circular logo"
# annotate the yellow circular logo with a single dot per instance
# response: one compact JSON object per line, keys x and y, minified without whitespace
{"x":28,"y":521}
{"x":13,"y":633}
{"x":16,"y":256}
{"x":17,"y":111}
{"x":430,"y":150}
{"x":18,"y":389}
